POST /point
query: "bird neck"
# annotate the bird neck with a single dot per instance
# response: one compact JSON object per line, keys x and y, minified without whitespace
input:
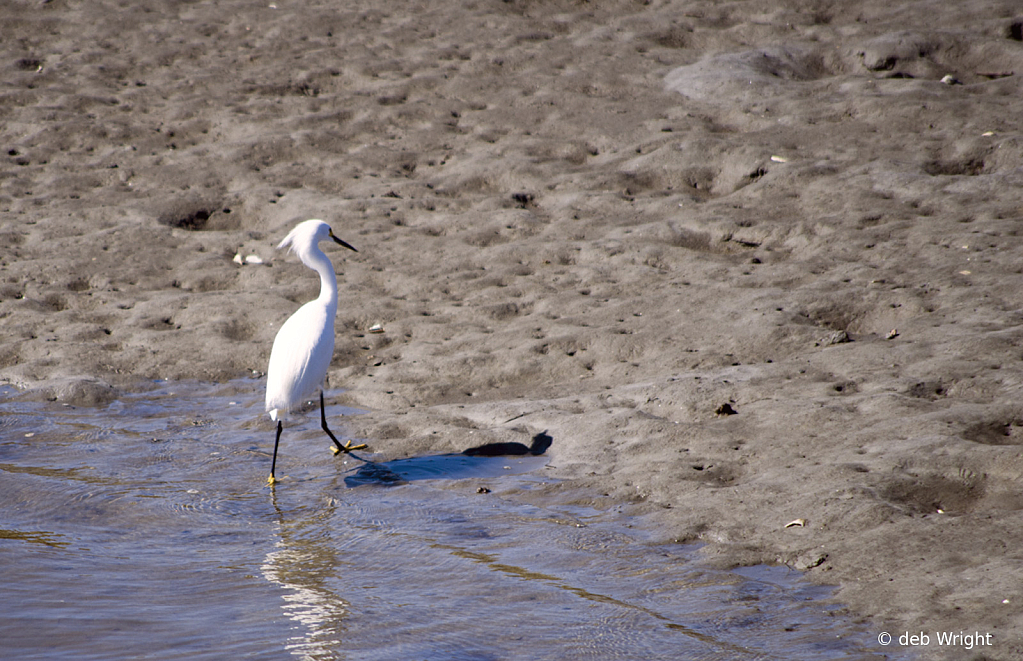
{"x":320,"y":263}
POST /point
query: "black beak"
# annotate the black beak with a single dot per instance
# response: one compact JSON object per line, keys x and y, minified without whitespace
{"x":342,"y":243}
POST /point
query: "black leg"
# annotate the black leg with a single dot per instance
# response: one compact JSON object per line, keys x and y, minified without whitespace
{"x":323,"y":423}
{"x":277,"y":441}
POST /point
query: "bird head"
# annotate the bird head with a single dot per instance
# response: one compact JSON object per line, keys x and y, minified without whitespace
{"x":304,"y":237}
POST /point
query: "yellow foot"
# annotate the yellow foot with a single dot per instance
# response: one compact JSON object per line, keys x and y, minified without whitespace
{"x":271,"y":480}
{"x":348,"y":447}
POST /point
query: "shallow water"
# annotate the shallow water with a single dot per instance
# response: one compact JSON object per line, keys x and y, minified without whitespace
{"x":145,"y":530}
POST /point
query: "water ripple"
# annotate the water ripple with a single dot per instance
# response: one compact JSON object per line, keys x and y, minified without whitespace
{"x":152,"y":514}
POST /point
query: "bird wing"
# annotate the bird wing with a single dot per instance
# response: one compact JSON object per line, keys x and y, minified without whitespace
{"x":300,"y":357}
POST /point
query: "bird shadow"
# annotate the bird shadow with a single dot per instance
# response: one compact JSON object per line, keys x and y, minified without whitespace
{"x":489,"y":460}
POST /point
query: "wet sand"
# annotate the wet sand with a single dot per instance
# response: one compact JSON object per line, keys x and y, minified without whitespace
{"x":745,"y":263}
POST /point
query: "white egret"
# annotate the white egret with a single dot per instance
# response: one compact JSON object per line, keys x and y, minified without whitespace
{"x":305,"y":343}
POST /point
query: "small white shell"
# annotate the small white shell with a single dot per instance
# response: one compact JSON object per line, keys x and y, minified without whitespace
{"x":253,"y":259}
{"x":796,"y":523}
{"x":376,"y":328}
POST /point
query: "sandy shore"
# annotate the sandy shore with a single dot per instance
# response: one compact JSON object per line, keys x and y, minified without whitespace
{"x":746,"y":263}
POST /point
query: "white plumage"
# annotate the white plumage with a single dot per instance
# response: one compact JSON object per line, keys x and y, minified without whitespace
{"x":305,"y":343}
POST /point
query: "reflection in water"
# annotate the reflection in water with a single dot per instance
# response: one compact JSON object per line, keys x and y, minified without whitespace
{"x":299,"y":564}
{"x":152,"y":515}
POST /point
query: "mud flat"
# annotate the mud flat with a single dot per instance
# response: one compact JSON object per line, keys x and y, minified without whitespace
{"x":745,"y":263}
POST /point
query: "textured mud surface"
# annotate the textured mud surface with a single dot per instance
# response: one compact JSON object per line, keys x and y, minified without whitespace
{"x":603,"y":220}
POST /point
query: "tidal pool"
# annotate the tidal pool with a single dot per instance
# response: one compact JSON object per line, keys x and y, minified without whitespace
{"x":145,"y":530}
